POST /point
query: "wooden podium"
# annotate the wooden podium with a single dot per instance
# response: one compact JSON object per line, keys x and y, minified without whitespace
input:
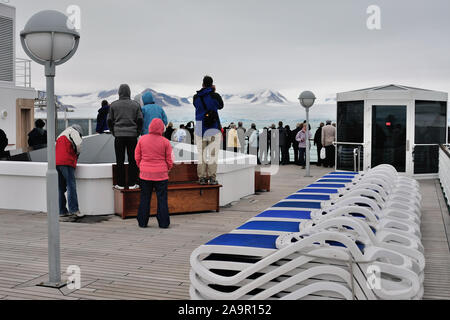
{"x":185,"y":195}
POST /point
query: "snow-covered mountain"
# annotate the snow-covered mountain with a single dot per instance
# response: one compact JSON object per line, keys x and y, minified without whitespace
{"x":260,"y":97}
{"x":94,"y":99}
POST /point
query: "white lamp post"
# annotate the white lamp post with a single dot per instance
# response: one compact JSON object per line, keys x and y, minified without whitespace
{"x":50,"y":39}
{"x":307,"y":100}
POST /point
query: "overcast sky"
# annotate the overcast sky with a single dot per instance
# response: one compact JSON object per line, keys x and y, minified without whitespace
{"x":286,"y":45}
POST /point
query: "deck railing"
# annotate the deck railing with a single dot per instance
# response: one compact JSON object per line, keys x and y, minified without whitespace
{"x":23,"y":73}
{"x":444,"y":170}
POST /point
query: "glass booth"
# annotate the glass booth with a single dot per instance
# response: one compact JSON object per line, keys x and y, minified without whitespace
{"x":396,"y":125}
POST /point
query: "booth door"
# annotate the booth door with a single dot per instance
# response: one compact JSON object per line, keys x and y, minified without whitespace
{"x":389,"y":136}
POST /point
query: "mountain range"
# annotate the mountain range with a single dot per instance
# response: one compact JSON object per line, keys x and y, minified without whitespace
{"x":94,"y":99}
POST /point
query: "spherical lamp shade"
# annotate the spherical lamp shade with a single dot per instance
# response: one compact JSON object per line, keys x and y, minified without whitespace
{"x":43,"y":47}
{"x":307,"y":99}
{"x":50,"y":36}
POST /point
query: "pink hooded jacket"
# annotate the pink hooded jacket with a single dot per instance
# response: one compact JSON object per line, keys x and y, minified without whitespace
{"x":154,"y":154}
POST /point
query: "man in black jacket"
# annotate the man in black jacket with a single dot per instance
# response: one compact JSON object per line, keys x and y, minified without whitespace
{"x":295,"y":143}
{"x":37,"y":139}
{"x":318,"y":143}
{"x":125,"y":121}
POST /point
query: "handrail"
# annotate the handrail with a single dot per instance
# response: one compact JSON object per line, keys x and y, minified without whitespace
{"x":349,"y":143}
{"x":23,"y":72}
{"x":444,"y":170}
{"x":446,"y":149}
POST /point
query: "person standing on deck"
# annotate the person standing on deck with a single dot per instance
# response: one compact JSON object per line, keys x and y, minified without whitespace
{"x":151,"y":111}
{"x":207,"y":103}
{"x":241,"y":131}
{"x":302,"y":141}
{"x":285,"y":150}
{"x":318,"y":143}
{"x":169,"y":131}
{"x":67,"y":152}
{"x":155,"y":158}
{"x":233,"y":139}
{"x":37,"y":138}
{"x":328,"y":139}
{"x":295,"y":143}
{"x":102,"y":118}
{"x":125,"y":120}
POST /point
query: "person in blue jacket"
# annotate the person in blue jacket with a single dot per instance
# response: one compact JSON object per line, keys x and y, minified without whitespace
{"x":151,"y":111}
{"x":208,"y":134}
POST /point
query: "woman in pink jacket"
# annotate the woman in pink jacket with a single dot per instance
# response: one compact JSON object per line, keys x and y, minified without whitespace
{"x":154,"y":157}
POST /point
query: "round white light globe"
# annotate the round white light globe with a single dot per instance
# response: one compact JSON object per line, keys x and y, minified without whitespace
{"x":40,"y":45}
{"x":307,"y":99}
{"x":50,"y":36}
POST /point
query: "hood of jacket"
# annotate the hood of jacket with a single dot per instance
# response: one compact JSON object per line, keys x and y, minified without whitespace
{"x":124,"y":92}
{"x":156,"y":127}
{"x":205,"y":91}
{"x":147,"y":98}
{"x":104,"y":109}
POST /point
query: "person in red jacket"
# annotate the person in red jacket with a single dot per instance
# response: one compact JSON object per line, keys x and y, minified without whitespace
{"x":68,"y":149}
{"x":154,"y":157}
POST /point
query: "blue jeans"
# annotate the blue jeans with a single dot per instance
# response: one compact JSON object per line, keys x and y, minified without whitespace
{"x":67,"y":183}
{"x":302,"y":157}
{"x":163,"y":206}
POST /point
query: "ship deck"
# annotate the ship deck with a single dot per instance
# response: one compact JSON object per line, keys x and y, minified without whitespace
{"x":120,"y":261}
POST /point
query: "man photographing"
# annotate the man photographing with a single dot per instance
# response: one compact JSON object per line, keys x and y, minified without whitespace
{"x":207,"y":103}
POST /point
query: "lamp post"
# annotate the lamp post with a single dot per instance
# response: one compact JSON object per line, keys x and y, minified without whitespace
{"x":50,"y":39}
{"x":307,"y":100}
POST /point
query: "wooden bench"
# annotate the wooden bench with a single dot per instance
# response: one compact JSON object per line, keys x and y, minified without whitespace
{"x":185,"y":195}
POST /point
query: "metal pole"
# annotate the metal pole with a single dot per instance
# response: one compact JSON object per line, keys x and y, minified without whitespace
{"x":308,"y":155}
{"x":54,"y":261}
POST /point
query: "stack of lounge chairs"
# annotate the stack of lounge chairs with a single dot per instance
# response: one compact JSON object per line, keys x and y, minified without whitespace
{"x":348,"y":236}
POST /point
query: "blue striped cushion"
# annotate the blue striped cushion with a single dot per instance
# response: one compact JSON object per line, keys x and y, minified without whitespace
{"x":295,"y":204}
{"x":335,"y":180}
{"x":286,"y":214}
{"x":340,"y":177}
{"x":281,"y":226}
{"x":345,"y":173}
{"x":327,"y":185}
{"x":245,"y":240}
{"x":309,"y":197}
{"x":323,"y":191}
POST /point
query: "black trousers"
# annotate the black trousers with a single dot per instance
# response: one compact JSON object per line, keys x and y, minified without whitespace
{"x":319,"y":149}
{"x":330,"y":160}
{"x":128,"y":145}
{"x":285,"y":155}
{"x":145,"y":205}
{"x":296,"y":154}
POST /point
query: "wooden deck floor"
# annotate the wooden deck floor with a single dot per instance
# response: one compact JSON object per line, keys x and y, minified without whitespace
{"x":120,"y":261}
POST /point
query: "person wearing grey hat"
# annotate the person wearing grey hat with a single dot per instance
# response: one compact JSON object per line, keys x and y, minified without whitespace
{"x":68,"y":150}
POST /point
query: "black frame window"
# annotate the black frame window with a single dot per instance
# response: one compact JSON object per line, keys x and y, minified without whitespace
{"x":350,"y":115}
{"x":431,"y":122}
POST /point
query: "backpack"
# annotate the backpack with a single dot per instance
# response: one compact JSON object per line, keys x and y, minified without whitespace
{"x":211,"y":117}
